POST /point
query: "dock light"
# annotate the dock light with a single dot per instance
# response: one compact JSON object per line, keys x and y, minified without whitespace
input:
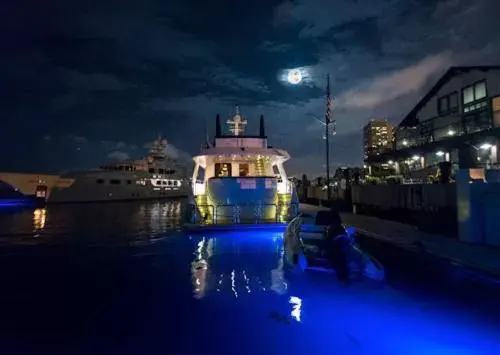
{"x":405,"y":142}
{"x":440,"y":153}
{"x":390,"y":162}
{"x":451,"y":132}
{"x":486,"y":146}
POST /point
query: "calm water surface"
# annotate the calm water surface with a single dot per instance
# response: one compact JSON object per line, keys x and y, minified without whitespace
{"x":121,"y":278}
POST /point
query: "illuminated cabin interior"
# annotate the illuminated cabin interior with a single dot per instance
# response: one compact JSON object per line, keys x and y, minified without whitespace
{"x":241,"y":172}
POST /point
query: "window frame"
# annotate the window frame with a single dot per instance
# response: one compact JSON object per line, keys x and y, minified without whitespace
{"x":449,"y":109}
{"x":475,"y":100}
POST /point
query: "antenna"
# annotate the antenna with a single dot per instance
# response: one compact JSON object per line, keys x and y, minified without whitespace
{"x":237,"y":124}
{"x":207,"y":139}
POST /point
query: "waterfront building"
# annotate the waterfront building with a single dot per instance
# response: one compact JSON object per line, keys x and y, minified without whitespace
{"x":378,"y":138}
{"x":457,"y":121}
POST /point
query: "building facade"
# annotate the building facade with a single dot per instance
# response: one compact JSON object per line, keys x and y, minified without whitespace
{"x":378,"y":139}
{"x":457,"y":121}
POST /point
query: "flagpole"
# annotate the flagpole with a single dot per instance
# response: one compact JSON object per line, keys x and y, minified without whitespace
{"x":327,"y":136}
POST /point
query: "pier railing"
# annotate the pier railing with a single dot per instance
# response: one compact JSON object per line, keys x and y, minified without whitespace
{"x":242,"y":213}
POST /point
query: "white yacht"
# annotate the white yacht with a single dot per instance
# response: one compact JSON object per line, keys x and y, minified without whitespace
{"x":156,"y":176}
{"x":243,"y":178}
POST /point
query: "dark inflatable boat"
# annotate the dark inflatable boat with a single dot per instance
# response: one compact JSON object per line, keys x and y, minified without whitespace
{"x":322,"y":243}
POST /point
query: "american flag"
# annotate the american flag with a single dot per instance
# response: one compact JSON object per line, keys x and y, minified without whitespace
{"x":328,"y":116}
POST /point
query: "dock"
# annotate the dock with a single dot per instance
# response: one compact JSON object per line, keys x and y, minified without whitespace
{"x":477,"y":257}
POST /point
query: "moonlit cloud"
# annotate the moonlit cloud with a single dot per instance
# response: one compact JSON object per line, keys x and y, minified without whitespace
{"x":123,"y":72}
{"x":382,"y":89}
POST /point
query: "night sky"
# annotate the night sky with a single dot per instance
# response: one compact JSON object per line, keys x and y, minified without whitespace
{"x":84,"y":82}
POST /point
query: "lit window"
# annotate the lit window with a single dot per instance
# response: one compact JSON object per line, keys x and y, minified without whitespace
{"x":244,"y":169}
{"x":480,"y":91}
{"x":223,"y":170}
{"x":468,"y":95}
{"x":474,"y":92}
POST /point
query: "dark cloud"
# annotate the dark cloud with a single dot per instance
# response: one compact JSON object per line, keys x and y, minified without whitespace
{"x":101,"y":78}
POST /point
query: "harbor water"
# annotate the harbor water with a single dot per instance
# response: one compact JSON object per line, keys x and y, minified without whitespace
{"x":124,"y":278}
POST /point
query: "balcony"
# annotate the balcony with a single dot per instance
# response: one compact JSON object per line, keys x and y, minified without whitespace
{"x":443,"y":127}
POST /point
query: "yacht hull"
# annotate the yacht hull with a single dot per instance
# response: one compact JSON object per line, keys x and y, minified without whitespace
{"x":87,"y":189}
{"x":240,"y":200}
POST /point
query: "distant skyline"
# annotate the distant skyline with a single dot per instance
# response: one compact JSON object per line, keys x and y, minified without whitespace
{"x":93,"y":81}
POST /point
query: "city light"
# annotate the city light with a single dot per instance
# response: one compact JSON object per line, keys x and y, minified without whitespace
{"x":416,"y":157}
{"x":390,"y":162}
{"x":440,"y":153}
{"x":451,"y":132}
{"x":405,"y":142}
{"x":486,"y":146}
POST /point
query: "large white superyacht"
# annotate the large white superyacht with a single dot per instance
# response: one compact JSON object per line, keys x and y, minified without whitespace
{"x":156,"y":176}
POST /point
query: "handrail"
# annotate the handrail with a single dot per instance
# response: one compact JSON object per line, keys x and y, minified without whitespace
{"x":196,"y":215}
{"x":293,"y":206}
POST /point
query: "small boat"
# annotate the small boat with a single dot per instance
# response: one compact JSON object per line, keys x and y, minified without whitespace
{"x":304,"y":247}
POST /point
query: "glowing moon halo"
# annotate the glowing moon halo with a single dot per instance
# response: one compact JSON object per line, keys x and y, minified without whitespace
{"x":294,"y":77}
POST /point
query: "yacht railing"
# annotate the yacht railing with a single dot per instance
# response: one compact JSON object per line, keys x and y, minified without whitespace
{"x":243,"y":214}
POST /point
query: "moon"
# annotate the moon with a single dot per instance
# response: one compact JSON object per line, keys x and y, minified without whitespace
{"x":294,"y":77}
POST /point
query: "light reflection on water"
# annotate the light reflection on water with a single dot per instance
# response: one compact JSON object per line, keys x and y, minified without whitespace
{"x":241,"y":291}
{"x":127,"y":220}
{"x":223,"y":264}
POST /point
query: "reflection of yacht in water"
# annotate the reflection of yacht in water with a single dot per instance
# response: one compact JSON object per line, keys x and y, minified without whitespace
{"x":244,"y":178}
{"x":225,"y":264}
{"x":153,"y":177}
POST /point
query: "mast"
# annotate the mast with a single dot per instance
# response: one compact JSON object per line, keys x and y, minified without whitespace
{"x":207,"y":138}
{"x":262,"y":129}
{"x":328,"y":116}
{"x":237,"y":124}
{"x":218,"y":130}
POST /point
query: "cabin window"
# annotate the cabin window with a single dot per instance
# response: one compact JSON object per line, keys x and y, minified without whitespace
{"x":223,"y":170}
{"x":170,"y":182}
{"x":114,"y":182}
{"x":170,"y":172}
{"x":160,"y":171}
{"x":244,"y":169}
{"x":151,"y":170}
{"x":100,"y":181}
